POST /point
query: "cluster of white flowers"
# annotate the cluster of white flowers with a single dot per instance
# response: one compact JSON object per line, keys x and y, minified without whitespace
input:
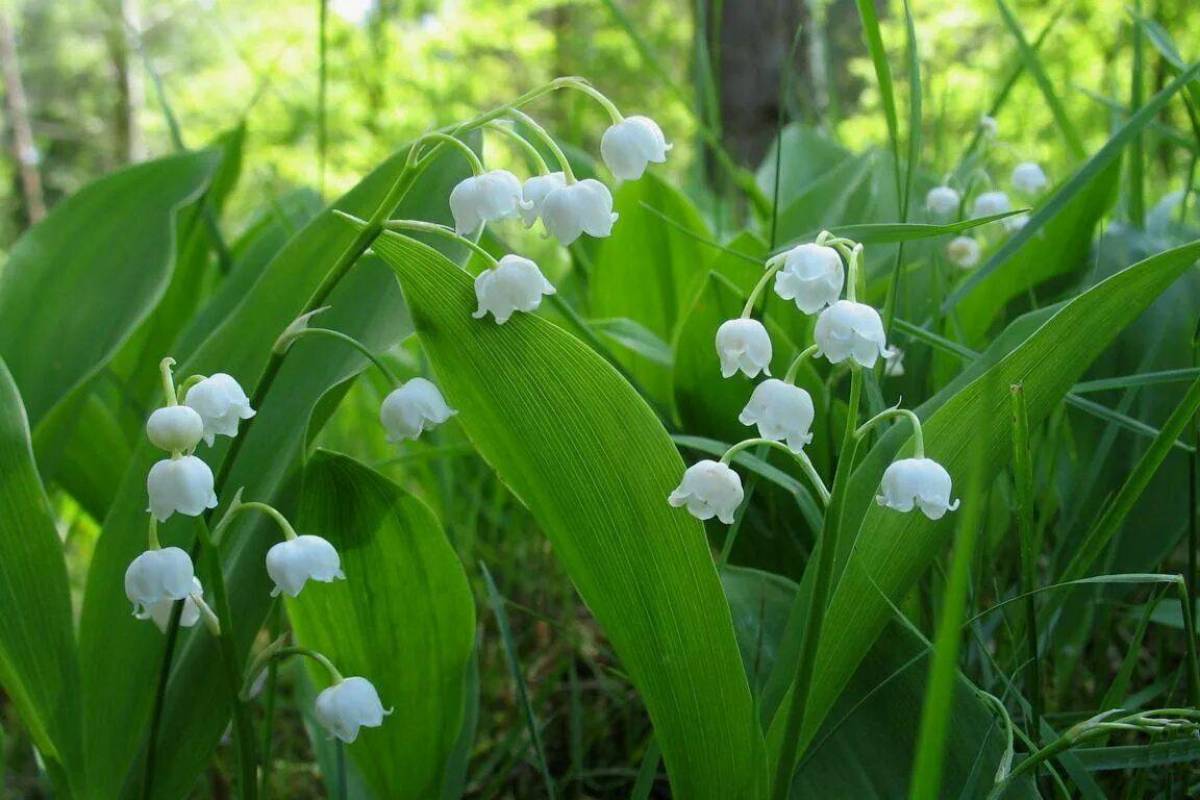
{"x":568,"y":208}
{"x":201,"y":409}
{"x":812,"y":276}
{"x":944,"y":202}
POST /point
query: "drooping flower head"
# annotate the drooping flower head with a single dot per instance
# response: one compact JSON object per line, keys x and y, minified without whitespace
{"x":916,"y":482}
{"x":221,"y":403}
{"x":812,"y":276}
{"x":534,"y":193}
{"x":743,"y":344}
{"x":709,"y":489}
{"x":157,"y":576}
{"x":781,"y":411}
{"x":574,"y":209}
{"x":183,"y":484}
{"x":991,"y":203}
{"x":488,"y":197}
{"x":942,"y":201}
{"x":629,"y":145}
{"x":160,"y":612}
{"x":1028,"y":178}
{"x":348,"y":705}
{"x":963,"y":251}
{"x":293,"y":562}
{"x":175,"y":428}
{"x":850,"y":330}
{"x":414,"y":407}
{"x":516,"y":284}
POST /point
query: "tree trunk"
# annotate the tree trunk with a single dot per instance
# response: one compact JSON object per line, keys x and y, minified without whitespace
{"x":24,"y":151}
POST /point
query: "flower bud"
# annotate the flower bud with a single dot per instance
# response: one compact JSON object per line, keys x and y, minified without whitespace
{"x":850,"y":330}
{"x":916,"y":482}
{"x":743,"y":344}
{"x":157,"y":576}
{"x":160,"y":612}
{"x":516,"y":284}
{"x":963,"y":251}
{"x":221,"y":403}
{"x":578,"y":208}
{"x":812,"y":275}
{"x":292,"y":562}
{"x":942,"y":201}
{"x":348,"y":705}
{"x":489,"y":197}
{"x":781,"y":411}
{"x":629,"y":145}
{"x":183,"y":484}
{"x":175,"y":428}
{"x":990,"y":203}
{"x":709,"y":489}
{"x":1028,"y":178}
{"x":534,"y":193}
{"x":412,"y":408}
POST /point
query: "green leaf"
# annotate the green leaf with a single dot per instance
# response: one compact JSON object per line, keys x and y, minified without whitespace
{"x":119,"y":680}
{"x":889,"y":551}
{"x":65,"y":309}
{"x":663,"y":263}
{"x":404,"y":618}
{"x":39,"y":668}
{"x":592,"y":463}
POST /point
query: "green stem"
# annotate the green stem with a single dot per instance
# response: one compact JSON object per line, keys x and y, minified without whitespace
{"x":289,"y":532}
{"x":547,"y":140}
{"x":773,"y":265}
{"x":801,"y":458}
{"x":437,"y":230}
{"x":583,"y":86}
{"x":242,"y":725}
{"x":168,"y":383}
{"x":477,"y":167}
{"x":530,"y":151}
{"x":918,"y":435}
{"x":152,"y":536}
{"x":187,"y":385}
{"x":826,"y":556}
{"x":794,"y":369}
{"x":355,"y":343}
{"x":1189,"y":626}
{"x":1023,"y":477}
{"x":264,"y":784}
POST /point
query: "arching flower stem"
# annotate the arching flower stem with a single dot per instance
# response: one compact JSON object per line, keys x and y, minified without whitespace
{"x":437,"y":230}
{"x":774,"y":264}
{"x":238,"y":506}
{"x":801,"y":458}
{"x":528,"y":149}
{"x":581,"y":85}
{"x":168,"y":382}
{"x":852,"y":252}
{"x":476,"y":165}
{"x":355,"y":343}
{"x":797,"y":362}
{"x":274,"y":652}
{"x":918,"y":435}
{"x":547,"y":140}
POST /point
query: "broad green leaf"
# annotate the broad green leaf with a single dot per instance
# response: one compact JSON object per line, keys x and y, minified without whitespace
{"x":1061,"y":247}
{"x":886,"y":552}
{"x":65,"y":309}
{"x":805,"y":156}
{"x":587,"y":456}
{"x":119,"y":681}
{"x":404,"y":618}
{"x":646,"y":270}
{"x":39,"y":668}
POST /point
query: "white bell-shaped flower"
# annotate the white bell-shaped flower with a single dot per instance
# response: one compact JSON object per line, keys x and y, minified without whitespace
{"x":489,"y":197}
{"x":578,"y":208}
{"x":744,"y":344}
{"x":990,"y":203}
{"x":1028,"y":178}
{"x":348,"y":705}
{"x":629,"y":145}
{"x":709,"y":489}
{"x":221,"y":403}
{"x":293,"y":562}
{"x":160,"y":612}
{"x":175,"y":428}
{"x":963,"y":251}
{"x":781,"y":411}
{"x":516,"y":284}
{"x":942,"y":201}
{"x":534,"y":193}
{"x":1015,"y":222}
{"x":183,"y":484}
{"x":157,"y":576}
{"x":812,"y":276}
{"x":413,"y":407}
{"x":850,"y":330}
{"x":919,"y":482}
